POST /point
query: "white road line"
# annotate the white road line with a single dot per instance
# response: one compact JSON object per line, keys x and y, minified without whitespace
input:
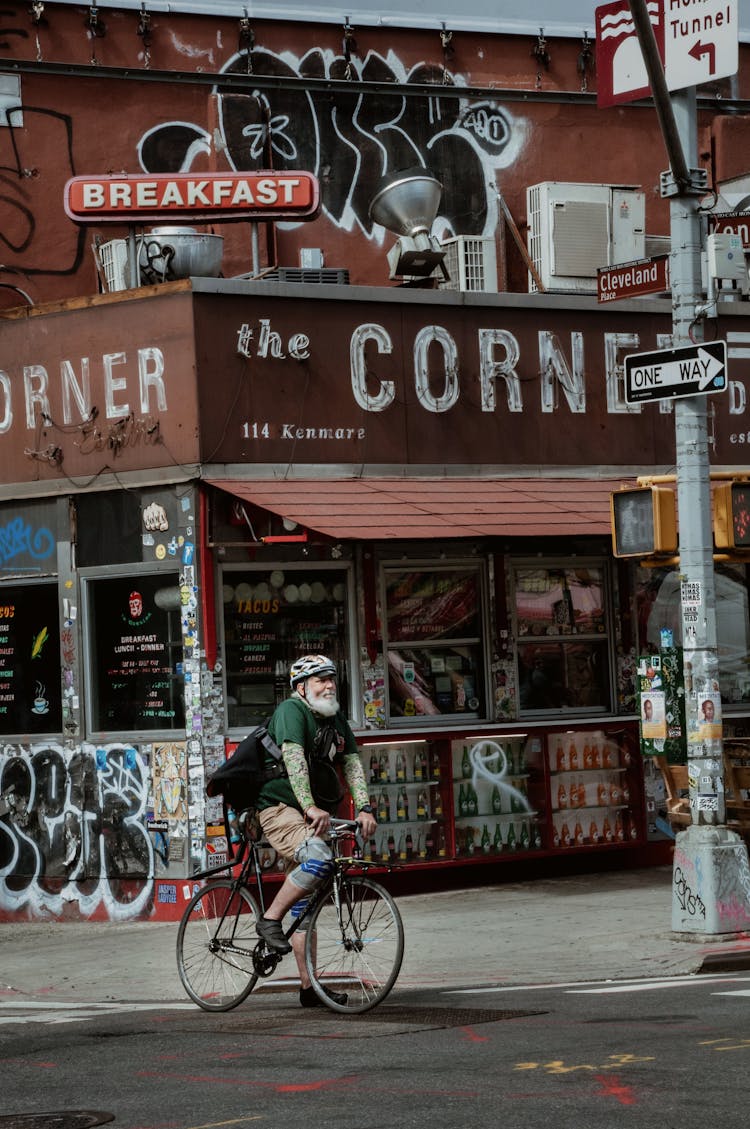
{"x":36,"y":1011}
{"x":593,"y":986}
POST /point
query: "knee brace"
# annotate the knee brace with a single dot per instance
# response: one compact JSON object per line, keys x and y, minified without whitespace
{"x":315,"y":860}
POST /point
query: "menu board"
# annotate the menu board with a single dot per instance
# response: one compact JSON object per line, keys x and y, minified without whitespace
{"x":270,"y":619}
{"x":137,"y":653}
{"x":30,"y":683}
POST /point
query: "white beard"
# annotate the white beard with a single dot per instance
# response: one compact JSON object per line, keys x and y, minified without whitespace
{"x":324,"y":704}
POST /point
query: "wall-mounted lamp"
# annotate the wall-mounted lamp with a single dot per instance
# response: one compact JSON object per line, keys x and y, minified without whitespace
{"x":406,"y":203}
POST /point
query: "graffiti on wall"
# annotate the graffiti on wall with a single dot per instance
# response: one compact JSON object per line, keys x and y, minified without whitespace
{"x":73,"y":829}
{"x":352,"y":141}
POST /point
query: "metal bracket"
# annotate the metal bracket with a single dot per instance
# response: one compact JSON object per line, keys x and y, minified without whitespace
{"x":697,"y":184}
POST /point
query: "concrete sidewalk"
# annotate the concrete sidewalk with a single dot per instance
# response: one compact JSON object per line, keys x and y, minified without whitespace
{"x":586,"y":927}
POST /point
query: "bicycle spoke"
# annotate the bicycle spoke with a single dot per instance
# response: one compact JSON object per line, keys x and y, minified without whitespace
{"x":215,"y":943}
{"x":357,"y":951}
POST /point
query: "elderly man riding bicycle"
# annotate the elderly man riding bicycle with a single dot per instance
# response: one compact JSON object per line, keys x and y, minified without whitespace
{"x":295,"y":809}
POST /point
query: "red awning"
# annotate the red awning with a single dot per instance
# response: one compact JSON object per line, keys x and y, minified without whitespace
{"x":375,"y":509}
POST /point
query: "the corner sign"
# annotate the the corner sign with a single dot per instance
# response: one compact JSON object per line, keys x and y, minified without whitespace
{"x":629,"y":280}
{"x":693,"y":370}
{"x":209,"y":197}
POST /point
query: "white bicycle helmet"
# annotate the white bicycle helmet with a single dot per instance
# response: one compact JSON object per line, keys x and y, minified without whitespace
{"x":308,"y":665}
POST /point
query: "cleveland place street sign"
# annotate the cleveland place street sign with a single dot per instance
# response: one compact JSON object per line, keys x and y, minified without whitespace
{"x":692,"y":370}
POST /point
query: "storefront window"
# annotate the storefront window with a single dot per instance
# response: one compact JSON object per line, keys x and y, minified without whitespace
{"x":135,"y":645}
{"x":563,"y":649}
{"x":30,"y":682}
{"x":434,"y":645}
{"x":658,"y":606}
{"x":271,"y":617}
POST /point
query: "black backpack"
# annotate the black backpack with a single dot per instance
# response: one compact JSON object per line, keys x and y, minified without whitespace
{"x":240,"y":778}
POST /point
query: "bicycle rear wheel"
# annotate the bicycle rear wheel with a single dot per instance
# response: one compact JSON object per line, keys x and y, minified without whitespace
{"x":215,"y":942}
{"x":355,"y":949}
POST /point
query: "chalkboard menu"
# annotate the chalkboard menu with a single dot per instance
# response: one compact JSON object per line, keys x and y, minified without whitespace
{"x":136,"y":648}
{"x":30,"y":683}
{"x":270,"y":619}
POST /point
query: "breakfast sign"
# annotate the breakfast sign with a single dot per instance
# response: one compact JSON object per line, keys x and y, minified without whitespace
{"x":208,"y":196}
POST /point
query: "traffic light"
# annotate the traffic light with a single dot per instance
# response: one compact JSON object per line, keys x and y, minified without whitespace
{"x":732,"y":515}
{"x":644,"y":522}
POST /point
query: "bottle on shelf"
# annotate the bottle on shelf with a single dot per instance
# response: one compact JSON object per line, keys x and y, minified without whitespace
{"x":523,"y":839}
{"x":497,"y":802}
{"x":602,"y":792}
{"x":437,"y":804}
{"x":594,"y":831}
{"x":578,"y":834}
{"x":383,"y":774}
{"x":573,"y":756}
{"x":384,"y":807}
{"x":486,"y":842}
{"x":420,"y":765}
{"x":402,"y":847}
{"x":562,"y":795}
{"x":422,"y":812}
{"x":619,"y":829}
{"x":565,"y":839}
{"x":497,"y":839}
{"x":435,"y":765}
{"x":421,"y":846}
{"x":510,"y":838}
{"x":470,"y":843}
{"x":521,"y":760}
{"x":581,"y":792}
{"x":402,"y":808}
{"x":536,"y":837}
{"x":384,"y":849}
{"x":463,"y":807}
{"x":429,"y":844}
{"x":596,"y":756}
{"x":466,"y":763}
{"x":442,"y":845}
{"x":391,"y":846}
{"x":573,"y":795}
{"x":625,"y":791}
{"x":560,"y":761}
{"x":510,"y":760}
{"x":400,"y":767}
{"x":374,"y":768}
{"x":588,"y":760}
{"x":370,"y":850}
{"x":607,"y":835}
{"x":472,"y":802}
{"x":614,"y":792}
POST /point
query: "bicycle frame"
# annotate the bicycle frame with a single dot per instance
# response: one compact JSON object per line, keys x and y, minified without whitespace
{"x":248,"y":859}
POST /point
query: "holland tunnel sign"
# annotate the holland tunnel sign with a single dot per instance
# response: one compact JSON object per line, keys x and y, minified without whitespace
{"x":210,"y":196}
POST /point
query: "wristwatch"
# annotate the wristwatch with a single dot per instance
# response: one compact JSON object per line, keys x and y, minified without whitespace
{"x":367,"y":809}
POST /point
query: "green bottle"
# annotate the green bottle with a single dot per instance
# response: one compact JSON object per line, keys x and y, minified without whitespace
{"x":485,"y":840}
{"x":524,"y":842}
{"x":511,"y":839}
{"x":497,"y":842}
{"x":466,"y":763}
{"x":497,"y":803}
{"x":462,"y":802}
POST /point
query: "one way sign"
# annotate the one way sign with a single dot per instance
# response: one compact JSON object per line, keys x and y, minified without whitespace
{"x":690,"y":371}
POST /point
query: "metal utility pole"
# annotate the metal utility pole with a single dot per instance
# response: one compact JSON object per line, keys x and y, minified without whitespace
{"x":710,"y":861}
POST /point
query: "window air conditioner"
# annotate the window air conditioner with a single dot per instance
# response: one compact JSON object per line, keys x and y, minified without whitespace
{"x":471,"y":262}
{"x":113,"y":257}
{"x":573,"y":229}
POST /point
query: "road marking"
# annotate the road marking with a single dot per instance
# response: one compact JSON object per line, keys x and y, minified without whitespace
{"x":36,"y":1011}
{"x":574,"y":987}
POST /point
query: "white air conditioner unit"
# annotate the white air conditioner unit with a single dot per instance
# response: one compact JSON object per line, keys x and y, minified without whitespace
{"x":576,"y":228}
{"x":471,"y":262}
{"x":113,"y":257}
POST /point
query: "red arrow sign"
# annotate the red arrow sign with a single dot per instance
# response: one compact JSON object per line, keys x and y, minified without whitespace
{"x":698,"y":50}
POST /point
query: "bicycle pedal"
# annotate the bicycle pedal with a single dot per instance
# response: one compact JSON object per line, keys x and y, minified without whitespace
{"x":265,"y":960}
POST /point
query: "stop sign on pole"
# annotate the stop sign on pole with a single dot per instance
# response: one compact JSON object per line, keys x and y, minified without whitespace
{"x":697,"y":42}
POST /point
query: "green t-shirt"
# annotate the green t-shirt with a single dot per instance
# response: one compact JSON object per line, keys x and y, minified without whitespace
{"x":294,"y":721}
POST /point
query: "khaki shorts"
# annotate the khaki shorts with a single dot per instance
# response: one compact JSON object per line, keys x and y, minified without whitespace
{"x":285,"y":829}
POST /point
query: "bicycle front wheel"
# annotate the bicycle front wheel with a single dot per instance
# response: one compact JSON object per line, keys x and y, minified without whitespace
{"x":354,"y":945}
{"x":215,"y":943}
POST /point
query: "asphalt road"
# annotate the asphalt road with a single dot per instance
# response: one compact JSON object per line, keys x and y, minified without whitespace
{"x":671,"y":1052}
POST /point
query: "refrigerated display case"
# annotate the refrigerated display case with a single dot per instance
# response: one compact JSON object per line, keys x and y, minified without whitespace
{"x":594,"y":791}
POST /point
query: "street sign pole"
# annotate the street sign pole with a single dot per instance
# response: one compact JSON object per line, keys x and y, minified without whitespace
{"x":710,"y":859}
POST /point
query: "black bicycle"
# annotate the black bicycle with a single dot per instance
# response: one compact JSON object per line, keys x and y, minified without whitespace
{"x":354,"y":941}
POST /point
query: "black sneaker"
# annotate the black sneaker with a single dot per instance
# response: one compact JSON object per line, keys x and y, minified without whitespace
{"x":308,"y":997}
{"x":272,"y":933}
